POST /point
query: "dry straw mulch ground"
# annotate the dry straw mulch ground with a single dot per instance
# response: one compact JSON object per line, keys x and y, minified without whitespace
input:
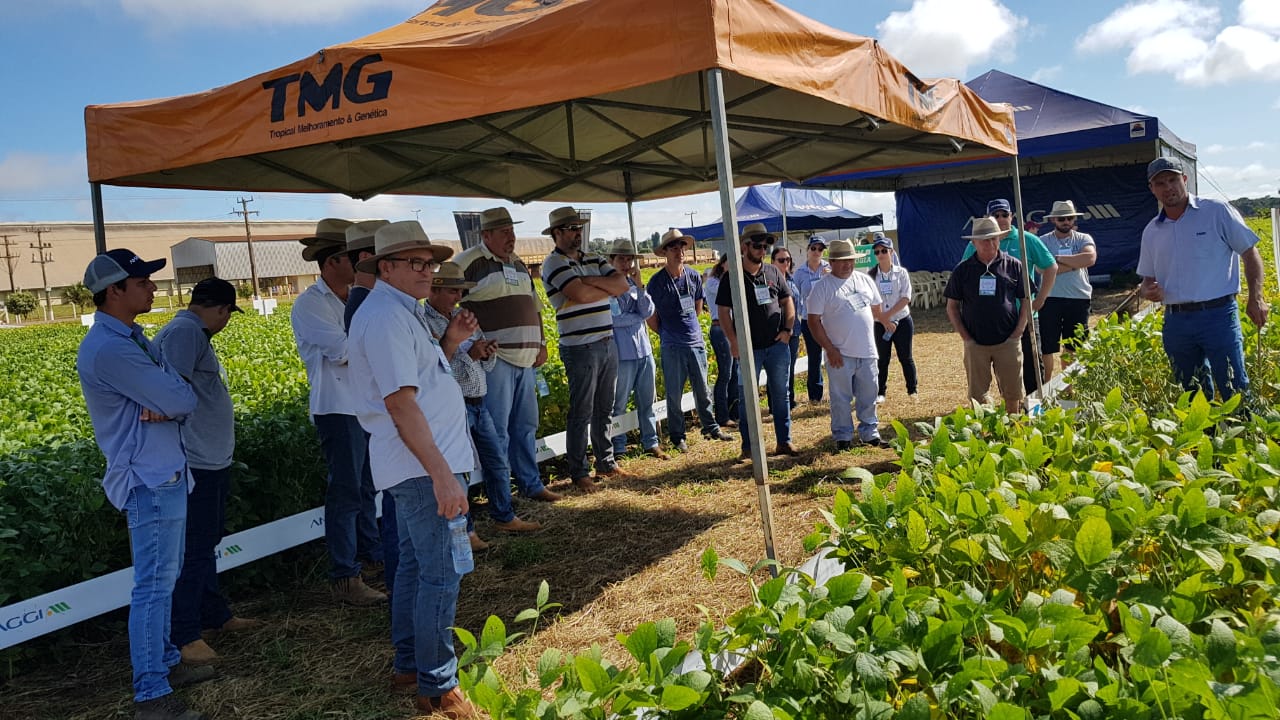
{"x":613,"y":559}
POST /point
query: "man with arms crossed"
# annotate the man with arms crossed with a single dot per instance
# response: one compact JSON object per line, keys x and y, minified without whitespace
{"x":1066,"y":307}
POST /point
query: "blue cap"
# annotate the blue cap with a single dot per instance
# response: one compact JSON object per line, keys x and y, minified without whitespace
{"x":999,"y":204}
{"x":1164,"y":164}
{"x":879,"y":240}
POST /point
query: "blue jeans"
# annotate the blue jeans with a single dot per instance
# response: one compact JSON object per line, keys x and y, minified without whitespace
{"x":794,"y":348}
{"x":853,"y":389}
{"x":426,"y":597}
{"x":369,"y":545}
{"x":342,"y":441}
{"x":813,"y":353}
{"x":512,"y":401}
{"x":592,"y":371}
{"x":157,"y":519}
{"x":681,"y":363}
{"x":1206,"y":350}
{"x":198,"y":604}
{"x":493,"y":458}
{"x":390,"y":531}
{"x":725,"y":391}
{"x":636,"y":376}
{"x":901,"y":341}
{"x":774,"y":360}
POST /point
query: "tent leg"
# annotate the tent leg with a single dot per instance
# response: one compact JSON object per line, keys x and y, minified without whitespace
{"x":631,"y":218}
{"x":746,"y":359}
{"x":99,"y":225}
{"x":1026,"y":275}
{"x":782,"y":192}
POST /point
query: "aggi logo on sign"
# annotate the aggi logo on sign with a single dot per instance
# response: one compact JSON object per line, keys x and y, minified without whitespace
{"x":33,"y":616}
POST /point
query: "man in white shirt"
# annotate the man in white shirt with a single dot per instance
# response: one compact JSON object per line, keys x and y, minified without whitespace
{"x":843,"y":308}
{"x":318,"y":329}
{"x":421,"y":453}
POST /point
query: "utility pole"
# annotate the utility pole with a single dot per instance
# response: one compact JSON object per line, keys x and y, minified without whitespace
{"x":44,"y":257}
{"x":691,"y":213}
{"x":10,"y":260}
{"x":245,"y":212}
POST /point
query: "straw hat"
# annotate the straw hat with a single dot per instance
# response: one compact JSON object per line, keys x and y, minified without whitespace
{"x":623,"y":246}
{"x":984,"y":228}
{"x":400,"y":236}
{"x":562,"y":216}
{"x":842,"y":250}
{"x":450,"y":275}
{"x":670,"y":237}
{"x":360,"y":235}
{"x":1062,"y":209}
{"x":495,"y":218}
{"x":751,"y":231}
{"x":330,"y":237}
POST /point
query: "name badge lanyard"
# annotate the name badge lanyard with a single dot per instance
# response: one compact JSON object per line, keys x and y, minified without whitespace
{"x":763,"y":296}
{"x":987,"y":283}
{"x":143,"y":347}
{"x":685,"y":295}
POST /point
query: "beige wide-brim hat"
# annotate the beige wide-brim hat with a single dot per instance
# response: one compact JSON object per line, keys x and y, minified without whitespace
{"x":450,"y":275}
{"x":562,"y":216}
{"x":330,"y":237}
{"x":322,"y":248}
{"x":984,"y":228}
{"x":753,"y":230}
{"x":495,"y":218}
{"x":841,"y":250}
{"x":671,"y":237}
{"x":1063,"y":208}
{"x":360,"y":235}
{"x":623,"y":246}
{"x":398,"y":237}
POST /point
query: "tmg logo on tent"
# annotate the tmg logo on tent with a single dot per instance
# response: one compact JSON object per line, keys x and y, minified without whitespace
{"x":338,"y":83}
{"x":32,"y":616}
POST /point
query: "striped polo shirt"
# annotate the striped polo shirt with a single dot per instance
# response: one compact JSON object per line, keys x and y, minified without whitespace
{"x":504,"y":302}
{"x":578,"y":323}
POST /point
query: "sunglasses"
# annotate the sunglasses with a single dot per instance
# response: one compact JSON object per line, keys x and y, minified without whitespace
{"x":782,"y":260}
{"x":415,"y":264}
{"x":882,"y":251}
{"x":571,"y":228}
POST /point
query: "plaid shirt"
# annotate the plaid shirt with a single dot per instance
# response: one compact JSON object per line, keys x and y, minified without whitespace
{"x":468,"y":371}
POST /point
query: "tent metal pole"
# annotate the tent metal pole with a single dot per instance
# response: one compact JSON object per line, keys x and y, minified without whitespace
{"x":1026,"y":276}
{"x":631,"y":218}
{"x":746,"y":359}
{"x":782,"y":191}
{"x":99,"y":224}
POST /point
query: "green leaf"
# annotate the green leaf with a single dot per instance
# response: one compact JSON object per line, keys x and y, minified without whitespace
{"x":591,"y":675}
{"x":916,"y":707}
{"x":642,"y":642}
{"x":1193,"y":509}
{"x":1152,"y":649}
{"x":1220,"y":644}
{"x":1147,"y":471}
{"x":494,"y":633}
{"x":550,"y":667}
{"x":1005,"y":711}
{"x":678,"y":697}
{"x":917,"y":531}
{"x":847,"y":587}
{"x":758,"y":711}
{"x":736,"y":565}
{"x":871,"y":673}
{"x":544,"y":593}
{"x":1093,"y":541}
{"x":710,"y":563}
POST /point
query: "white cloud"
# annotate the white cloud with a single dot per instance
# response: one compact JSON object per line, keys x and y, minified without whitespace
{"x":1184,"y":38}
{"x":34,"y":173}
{"x":947,"y":37}
{"x":1214,"y":149}
{"x":1250,"y":180}
{"x":232,"y":13}
{"x":1046,"y":75}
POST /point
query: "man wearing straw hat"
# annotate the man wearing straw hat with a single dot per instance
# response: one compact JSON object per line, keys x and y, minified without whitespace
{"x":408,"y":400}
{"x":579,"y":286}
{"x":676,"y":290}
{"x":1065,"y":312}
{"x":986,"y":306}
{"x":507,"y":308}
{"x":636,"y":371}
{"x":350,"y":530}
{"x":1190,"y":261}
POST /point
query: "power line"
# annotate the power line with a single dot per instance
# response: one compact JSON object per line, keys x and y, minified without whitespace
{"x":10,"y":260}
{"x":245,"y":212}
{"x":44,"y":257}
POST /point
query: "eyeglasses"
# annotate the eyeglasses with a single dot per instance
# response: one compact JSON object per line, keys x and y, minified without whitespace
{"x":999,"y":214}
{"x":571,"y":228}
{"x":782,"y":260}
{"x":415,"y":264}
{"x":882,"y":251}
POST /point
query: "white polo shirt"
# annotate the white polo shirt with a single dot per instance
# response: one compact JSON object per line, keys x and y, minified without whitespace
{"x":392,"y":348}
{"x":845,"y":309}
{"x":322,"y":343}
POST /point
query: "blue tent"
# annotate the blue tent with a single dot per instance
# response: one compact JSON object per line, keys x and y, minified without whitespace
{"x":806,"y":210}
{"x":1069,"y":148}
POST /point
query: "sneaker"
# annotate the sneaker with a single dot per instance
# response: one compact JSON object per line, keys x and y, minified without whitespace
{"x":879,"y":399}
{"x":658,"y":452}
{"x":516,"y":525}
{"x":843,"y":445}
{"x":184,"y":675}
{"x":353,"y":591}
{"x":197,"y":652}
{"x":166,"y":707}
{"x":718,"y":435}
{"x":878,"y":441}
{"x":682,"y":446}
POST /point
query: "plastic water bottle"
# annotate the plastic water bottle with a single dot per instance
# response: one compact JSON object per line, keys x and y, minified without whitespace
{"x":460,"y":546}
{"x":887,"y":335}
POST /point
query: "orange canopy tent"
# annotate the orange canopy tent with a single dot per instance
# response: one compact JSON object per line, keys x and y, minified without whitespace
{"x":570,"y":100}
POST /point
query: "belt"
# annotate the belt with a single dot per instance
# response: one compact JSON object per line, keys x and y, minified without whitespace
{"x":1206,"y":305}
{"x":473,"y":401}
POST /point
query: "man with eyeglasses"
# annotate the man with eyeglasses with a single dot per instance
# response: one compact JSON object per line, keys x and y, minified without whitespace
{"x":580,"y":286}
{"x":810,"y":272}
{"x":1040,"y":259}
{"x":771,"y":318}
{"x":1064,"y":317}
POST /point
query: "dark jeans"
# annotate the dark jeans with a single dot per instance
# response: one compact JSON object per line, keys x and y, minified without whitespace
{"x":343,"y":443}
{"x":497,"y":485}
{"x":197,"y":602}
{"x":1030,"y":368}
{"x":725,"y":391}
{"x":794,"y":347}
{"x":592,"y":371}
{"x":369,"y":545}
{"x":813,"y":351}
{"x":773,"y":361}
{"x":900,"y":341}
{"x":390,"y":542}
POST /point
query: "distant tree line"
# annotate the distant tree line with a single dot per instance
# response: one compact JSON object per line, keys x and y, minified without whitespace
{"x":1256,"y":207}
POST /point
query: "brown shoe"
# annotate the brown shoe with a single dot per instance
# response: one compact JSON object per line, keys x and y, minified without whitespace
{"x":165,"y":707}
{"x":476,"y":543}
{"x":516,"y":525}
{"x":453,"y":705}
{"x":239,"y":624}
{"x":405,"y":683}
{"x":545,"y":495}
{"x":658,"y":452}
{"x":353,"y":591}
{"x":786,"y":449}
{"x":198,"y":652}
{"x":586,"y":484}
{"x":615,"y":472}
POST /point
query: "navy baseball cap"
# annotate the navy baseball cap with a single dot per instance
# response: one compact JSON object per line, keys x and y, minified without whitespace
{"x":1164,"y":164}
{"x":880,"y":240}
{"x":999,"y":204}
{"x":212,"y":292}
{"x":115,"y":265}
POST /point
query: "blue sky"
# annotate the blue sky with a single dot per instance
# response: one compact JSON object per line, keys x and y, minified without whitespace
{"x":1209,"y":70}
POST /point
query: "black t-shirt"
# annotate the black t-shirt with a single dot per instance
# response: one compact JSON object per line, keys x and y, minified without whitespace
{"x":990,"y":319}
{"x":355,"y":296}
{"x":765,"y":319}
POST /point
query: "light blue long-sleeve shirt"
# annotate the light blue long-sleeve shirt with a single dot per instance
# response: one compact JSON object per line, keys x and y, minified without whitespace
{"x":630,"y":333}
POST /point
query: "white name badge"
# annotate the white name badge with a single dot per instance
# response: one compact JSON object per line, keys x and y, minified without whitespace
{"x":763,"y":297}
{"x":510,"y":274}
{"x":686,"y":305}
{"x":859,"y":303}
{"x":886,"y":286}
{"x":987,"y":286}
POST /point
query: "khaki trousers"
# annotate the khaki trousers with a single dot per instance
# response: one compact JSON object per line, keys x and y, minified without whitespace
{"x":1006,"y":360}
